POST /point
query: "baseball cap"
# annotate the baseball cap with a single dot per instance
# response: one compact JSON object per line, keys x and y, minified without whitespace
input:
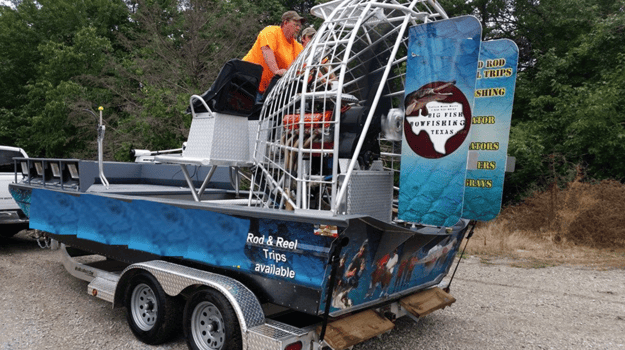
{"x":292,"y":15}
{"x":309,"y":31}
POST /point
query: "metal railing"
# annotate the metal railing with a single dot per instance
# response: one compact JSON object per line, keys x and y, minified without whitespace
{"x":53,"y":172}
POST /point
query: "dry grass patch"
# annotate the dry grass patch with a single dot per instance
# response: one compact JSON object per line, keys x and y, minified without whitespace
{"x":583,"y":224}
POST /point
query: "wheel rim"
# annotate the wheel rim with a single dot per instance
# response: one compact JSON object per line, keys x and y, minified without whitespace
{"x":207,"y":326}
{"x":144,"y":307}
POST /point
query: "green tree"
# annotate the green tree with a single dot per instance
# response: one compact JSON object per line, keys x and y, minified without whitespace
{"x":49,"y":128}
{"x":143,"y":59}
{"x":170,"y":53}
{"x":570,"y":95}
{"x":44,"y":45}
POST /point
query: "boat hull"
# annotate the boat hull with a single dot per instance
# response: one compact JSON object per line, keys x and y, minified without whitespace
{"x":283,"y":257}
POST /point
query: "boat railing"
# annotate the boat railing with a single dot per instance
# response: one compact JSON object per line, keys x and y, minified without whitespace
{"x":48,"y":172}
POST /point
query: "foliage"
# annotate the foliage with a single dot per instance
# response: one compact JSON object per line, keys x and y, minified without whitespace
{"x":143,"y":59}
{"x":57,"y":40}
{"x":171,"y":53}
{"x":570,"y":102}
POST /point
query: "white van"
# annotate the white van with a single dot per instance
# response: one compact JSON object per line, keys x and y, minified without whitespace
{"x":12,"y":219}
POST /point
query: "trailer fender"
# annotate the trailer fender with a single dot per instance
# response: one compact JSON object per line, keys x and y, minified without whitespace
{"x":175,"y":278}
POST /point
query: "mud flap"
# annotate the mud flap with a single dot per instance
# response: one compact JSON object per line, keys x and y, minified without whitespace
{"x":354,"y":329}
{"x":426,"y":302}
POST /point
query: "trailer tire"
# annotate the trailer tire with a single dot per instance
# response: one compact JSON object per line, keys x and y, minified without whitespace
{"x":210,"y":322}
{"x":152,"y":315}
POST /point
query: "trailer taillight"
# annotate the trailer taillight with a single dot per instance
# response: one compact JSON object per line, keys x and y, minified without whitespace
{"x":294,"y":346}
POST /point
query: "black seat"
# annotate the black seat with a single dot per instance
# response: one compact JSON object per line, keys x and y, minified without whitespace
{"x":234,"y":90}
{"x":255,"y":115}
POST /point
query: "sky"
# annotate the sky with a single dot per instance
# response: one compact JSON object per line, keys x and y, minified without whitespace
{"x":5,"y":2}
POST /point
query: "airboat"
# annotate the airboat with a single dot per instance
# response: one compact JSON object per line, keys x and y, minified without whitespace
{"x":338,"y":201}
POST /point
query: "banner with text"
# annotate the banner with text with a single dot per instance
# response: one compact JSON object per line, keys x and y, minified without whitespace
{"x":440,"y":84}
{"x":490,"y":128}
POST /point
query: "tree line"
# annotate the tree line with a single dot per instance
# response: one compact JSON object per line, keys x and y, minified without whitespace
{"x":142,"y":60}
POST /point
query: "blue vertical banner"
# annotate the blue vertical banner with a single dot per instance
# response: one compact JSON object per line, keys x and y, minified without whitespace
{"x":440,"y":83}
{"x":490,"y":128}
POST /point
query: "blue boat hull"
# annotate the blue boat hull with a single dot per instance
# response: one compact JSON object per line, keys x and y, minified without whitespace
{"x":284,"y":258}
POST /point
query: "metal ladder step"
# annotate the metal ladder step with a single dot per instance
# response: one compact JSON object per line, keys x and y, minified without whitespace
{"x":426,"y":302}
{"x":354,"y":329}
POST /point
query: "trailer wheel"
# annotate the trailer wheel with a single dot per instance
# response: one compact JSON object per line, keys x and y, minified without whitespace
{"x":210,"y":322}
{"x":152,"y":315}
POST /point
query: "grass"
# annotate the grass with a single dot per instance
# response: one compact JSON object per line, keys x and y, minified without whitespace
{"x":583,"y":224}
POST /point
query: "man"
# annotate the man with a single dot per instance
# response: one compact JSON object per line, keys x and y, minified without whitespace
{"x":276,"y":48}
{"x":323,"y":74}
{"x":350,"y":277}
{"x":307,"y":35}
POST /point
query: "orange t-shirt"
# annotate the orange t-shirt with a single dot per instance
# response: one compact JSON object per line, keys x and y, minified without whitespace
{"x":285,"y":52}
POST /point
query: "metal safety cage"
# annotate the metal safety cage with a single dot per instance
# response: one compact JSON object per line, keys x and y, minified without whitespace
{"x":337,"y":112}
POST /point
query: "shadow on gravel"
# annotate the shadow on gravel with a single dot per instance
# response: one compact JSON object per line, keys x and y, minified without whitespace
{"x":21,"y":242}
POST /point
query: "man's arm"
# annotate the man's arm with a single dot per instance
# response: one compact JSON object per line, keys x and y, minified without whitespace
{"x":270,"y":59}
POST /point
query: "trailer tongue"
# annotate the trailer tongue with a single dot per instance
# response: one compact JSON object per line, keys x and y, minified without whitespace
{"x":362,"y":169}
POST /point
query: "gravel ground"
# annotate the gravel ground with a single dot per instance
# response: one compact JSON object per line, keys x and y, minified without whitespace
{"x":498,"y":307}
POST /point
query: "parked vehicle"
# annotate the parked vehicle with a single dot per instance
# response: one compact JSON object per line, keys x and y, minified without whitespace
{"x":12,"y":219}
{"x":359,"y":165}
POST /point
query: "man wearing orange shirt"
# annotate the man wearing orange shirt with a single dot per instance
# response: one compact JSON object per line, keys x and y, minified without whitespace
{"x":276,"y":48}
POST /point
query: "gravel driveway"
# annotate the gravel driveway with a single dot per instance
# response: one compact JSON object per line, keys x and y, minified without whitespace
{"x":498,"y":307}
